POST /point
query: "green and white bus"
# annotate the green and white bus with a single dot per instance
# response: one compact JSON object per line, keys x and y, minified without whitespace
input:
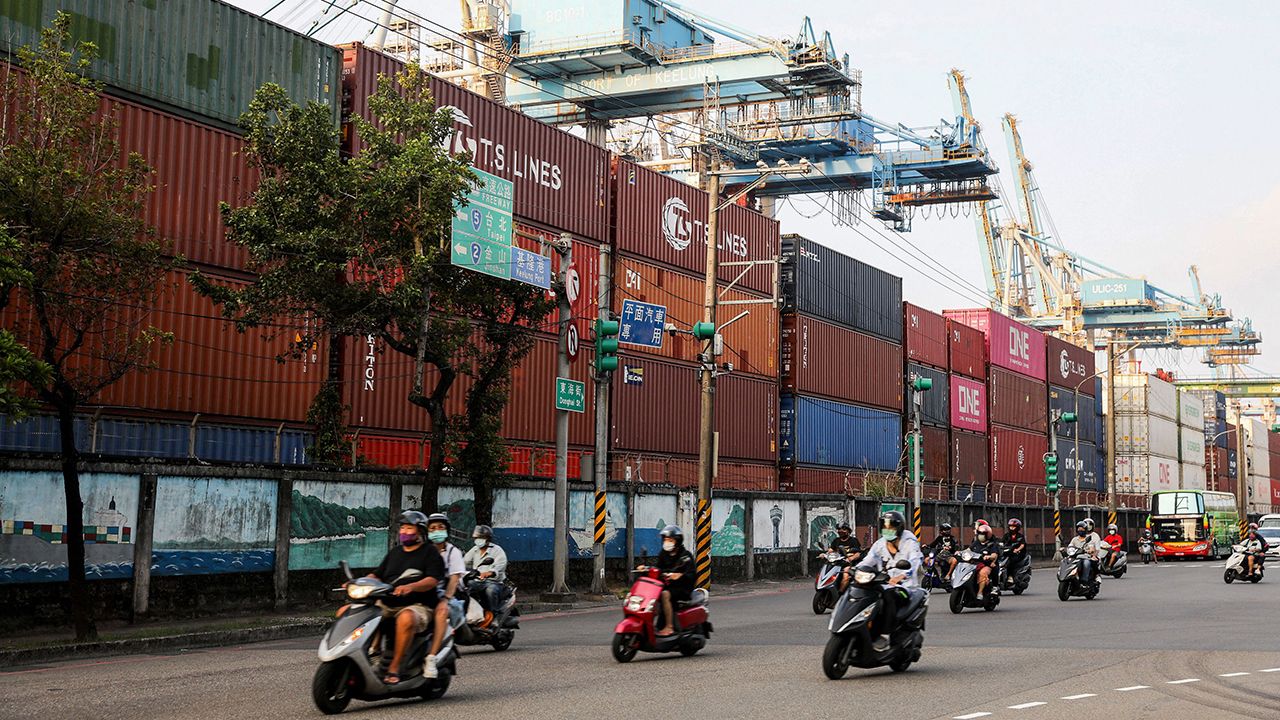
{"x":1193,"y":523}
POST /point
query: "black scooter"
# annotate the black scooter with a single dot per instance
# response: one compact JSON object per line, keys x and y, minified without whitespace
{"x":964,"y":585}
{"x":350,"y":666}
{"x":1018,"y":578}
{"x":850,"y":644}
{"x":1071,"y":582}
{"x":502,"y":627}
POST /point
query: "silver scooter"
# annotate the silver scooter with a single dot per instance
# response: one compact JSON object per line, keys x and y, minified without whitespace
{"x":1117,"y":569}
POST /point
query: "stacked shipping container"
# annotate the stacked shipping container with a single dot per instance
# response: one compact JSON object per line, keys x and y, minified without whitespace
{"x":1070,"y":370}
{"x":926,"y":348}
{"x":970,"y":446}
{"x":1191,"y":444}
{"x":1146,"y":436}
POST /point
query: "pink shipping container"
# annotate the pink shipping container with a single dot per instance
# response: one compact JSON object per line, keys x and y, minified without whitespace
{"x":1010,"y":344}
{"x":970,"y":459}
{"x":926,"y":336}
{"x":818,"y":357}
{"x":968,"y":404}
{"x":663,"y":220}
{"x":1069,"y":366}
{"x":967,"y":350}
{"x":1017,"y":401}
{"x":1017,"y":456}
{"x":561,"y":181}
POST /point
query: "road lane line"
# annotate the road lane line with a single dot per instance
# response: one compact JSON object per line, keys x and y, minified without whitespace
{"x":971,"y":716}
{"x":1133,"y":687}
{"x":1183,"y":681}
{"x":1237,"y":674}
{"x":1026,"y":705}
{"x":1081,"y":696}
{"x":1270,"y":670}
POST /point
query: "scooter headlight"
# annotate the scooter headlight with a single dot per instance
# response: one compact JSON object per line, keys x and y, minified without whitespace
{"x":864,"y":615}
{"x":637,"y":603}
{"x":862,"y":577}
{"x":359,"y":592}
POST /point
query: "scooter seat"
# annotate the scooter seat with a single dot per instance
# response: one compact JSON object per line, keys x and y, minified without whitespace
{"x":697,"y":599}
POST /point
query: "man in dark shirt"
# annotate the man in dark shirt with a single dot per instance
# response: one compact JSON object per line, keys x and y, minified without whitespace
{"x":846,"y":545}
{"x":678,"y":569}
{"x":945,"y":545}
{"x":415,"y":569}
{"x":984,"y":545}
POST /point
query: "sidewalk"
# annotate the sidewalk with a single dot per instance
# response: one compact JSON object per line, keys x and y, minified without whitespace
{"x":120,"y":638}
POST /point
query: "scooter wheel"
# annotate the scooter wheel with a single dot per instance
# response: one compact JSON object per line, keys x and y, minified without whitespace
{"x":819,"y":605}
{"x":833,"y":656}
{"x":956,"y":601}
{"x":1017,"y":589}
{"x":625,"y":646}
{"x":1228,"y":576}
{"x":502,"y":641}
{"x":900,"y":665}
{"x":435,"y":689}
{"x":1064,"y":590}
{"x":329,"y":688}
{"x":1255,"y":578}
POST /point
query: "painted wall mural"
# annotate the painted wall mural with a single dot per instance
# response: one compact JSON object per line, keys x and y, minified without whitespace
{"x":728,"y":528}
{"x":582,"y":523}
{"x":822,"y":522}
{"x":33,"y":514}
{"x":776,"y":525}
{"x":333,"y":521}
{"x":653,"y":512}
{"x":213,"y":525}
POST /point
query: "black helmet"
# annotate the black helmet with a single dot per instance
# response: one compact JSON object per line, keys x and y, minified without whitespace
{"x":945,"y":527}
{"x":1082,"y":528}
{"x":416,"y":519}
{"x":893,"y":520}
{"x":1015,"y":523}
{"x":844,"y":526}
{"x":674,"y":532}
{"x":440,"y":518}
{"x":482,"y":531}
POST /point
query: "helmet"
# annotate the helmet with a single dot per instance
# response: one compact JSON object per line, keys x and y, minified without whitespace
{"x":1088,"y":524}
{"x":1082,"y":528}
{"x":1253,"y":526}
{"x":979,"y":523}
{"x":1015,"y":524}
{"x":482,"y":531}
{"x":1112,"y":528}
{"x":674,"y":532}
{"x":945,"y":527}
{"x":894,"y":521}
{"x":844,"y":526}
{"x":439,"y":518}
{"x":416,"y":519}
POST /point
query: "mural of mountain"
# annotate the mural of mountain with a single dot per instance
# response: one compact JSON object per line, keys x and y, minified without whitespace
{"x":315,"y":518}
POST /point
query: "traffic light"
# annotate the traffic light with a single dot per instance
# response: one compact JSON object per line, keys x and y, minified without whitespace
{"x":912,"y":441}
{"x":1067,"y":417}
{"x":606,"y":345}
{"x":921,"y":384}
{"x":704,"y":330}
{"x":1051,"y":472}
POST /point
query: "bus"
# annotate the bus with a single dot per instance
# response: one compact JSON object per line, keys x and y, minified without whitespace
{"x":1193,"y":523}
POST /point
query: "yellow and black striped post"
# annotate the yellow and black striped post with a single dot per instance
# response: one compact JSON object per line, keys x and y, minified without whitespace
{"x":703,"y":557}
{"x":601,"y":517}
{"x":1244,"y":528}
{"x":915,"y":521}
{"x":1057,"y":526}
{"x":1111,"y":518}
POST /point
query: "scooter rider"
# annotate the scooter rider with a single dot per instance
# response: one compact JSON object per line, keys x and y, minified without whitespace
{"x":1255,"y":547}
{"x":896,"y":543}
{"x":1015,"y":542}
{"x":1086,"y":544}
{"x":945,"y":545}
{"x":414,"y":603}
{"x":490,"y":595}
{"x":678,"y":570}
{"x":438,"y":534}
{"x":1116,"y":541}
{"x":984,"y":545}
{"x":846,"y":544}
{"x":1147,"y":537}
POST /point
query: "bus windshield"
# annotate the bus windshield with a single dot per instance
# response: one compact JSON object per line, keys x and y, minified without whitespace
{"x":1177,"y":503}
{"x":1176,"y":529}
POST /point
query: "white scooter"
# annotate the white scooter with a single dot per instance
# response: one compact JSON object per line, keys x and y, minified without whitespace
{"x":1236,"y":568}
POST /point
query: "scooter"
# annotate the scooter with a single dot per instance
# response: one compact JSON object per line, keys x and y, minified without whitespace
{"x":638,"y":629}
{"x":935,"y":570}
{"x":1070,"y":583}
{"x":826,"y":587}
{"x":851,"y":641}
{"x":1236,"y":566}
{"x":1116,"y":569}
{"x":1147,"y":549}
{"x":1017,"y":579}
{"x":496,"y":627}
{"x":964,"y":585}
{"x":350,"y":664}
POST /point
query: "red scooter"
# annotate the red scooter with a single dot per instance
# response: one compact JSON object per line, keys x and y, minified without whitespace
{"x":638,"y":631}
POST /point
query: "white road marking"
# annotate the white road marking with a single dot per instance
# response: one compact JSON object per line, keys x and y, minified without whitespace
{"x":1270,"y":670}
{"x":1238,"y":674}
{"x":1133,"y":687}
{"x":1184,"y":681}
{"x":1026,"y":705}
{"x":971,"y":716}
{"x":1081,"y":696}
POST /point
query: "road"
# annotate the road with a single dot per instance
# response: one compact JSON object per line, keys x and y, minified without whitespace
{"x":1170,"y":641}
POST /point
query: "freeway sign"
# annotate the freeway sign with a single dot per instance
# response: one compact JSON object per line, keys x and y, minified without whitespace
{"x":482,"y":228}
{"x":642,"y":324}
{"x":571,"y":395}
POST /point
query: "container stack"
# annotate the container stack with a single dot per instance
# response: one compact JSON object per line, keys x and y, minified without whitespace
{"x":1231,"y":483}
{"x":970,"y":457}
{"x":1273,"y":440}
{"x":841,"y":371}
{"x":926,"y":348}
{"x":1017,"y":401}
{"x":1219,"y":460}
{"x":1072,"y":386}
{"x":1258,"y":493}
{"x":1191,"y":445}
{"x":1146,"y":435}
{"x":660,"y":237}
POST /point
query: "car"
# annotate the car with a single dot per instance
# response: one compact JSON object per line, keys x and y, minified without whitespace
{"x":1269,"y":521}
{"x":1272,"y":536}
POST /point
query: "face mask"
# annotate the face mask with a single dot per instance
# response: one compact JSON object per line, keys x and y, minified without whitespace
{"x":480,"y":542}
{"x":890,"y":535}
{"x":1081,"y":533}
{"x":438,"y":536}
{"x":409,"y":538}
{"x":669,"y":545}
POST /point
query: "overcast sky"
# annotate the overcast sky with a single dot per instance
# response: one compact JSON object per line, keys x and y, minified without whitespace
{"x":1149,"y":123}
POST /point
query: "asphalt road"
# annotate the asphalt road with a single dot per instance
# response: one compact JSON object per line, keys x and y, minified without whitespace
{"x":1170,"y":641}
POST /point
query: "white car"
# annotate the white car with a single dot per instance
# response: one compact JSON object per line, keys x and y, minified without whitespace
{"x":1272,"y":536}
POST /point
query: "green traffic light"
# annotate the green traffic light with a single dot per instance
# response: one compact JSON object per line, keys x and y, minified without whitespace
{"x":1068,"y":417}
{"x":607,"y":344}
{"x":704,"y":330}
{"x":922,"y":384}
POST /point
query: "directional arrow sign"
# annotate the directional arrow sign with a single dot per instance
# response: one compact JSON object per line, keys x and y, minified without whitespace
{"x":482,"y":227}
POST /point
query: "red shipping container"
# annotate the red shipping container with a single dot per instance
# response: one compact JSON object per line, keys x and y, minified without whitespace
{"x":1069,"y":366}
{"x":833,"y":481}
{"x":937,"y":453}
{"x":968,"y":350}
{"x":561,"y":181}
{"x":663,"y":220}
{"x":1275,"y":494}
{"x":682,"y":472}
{"x":1017,"y":456}
{"x":1010,"y":344}
{"x":970,"y":459}
{"x":926,"y":336}
{"x":817,"y":357}
{"x":586,"y":262}
{"x":1017,"y":401}
{"x":968,"y":404}
{"x":751,"y":343}
{"x":1273,"y":442}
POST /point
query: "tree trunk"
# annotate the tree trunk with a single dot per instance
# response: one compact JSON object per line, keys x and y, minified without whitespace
{"x":81,"y":610}
{"x":482,"y":490}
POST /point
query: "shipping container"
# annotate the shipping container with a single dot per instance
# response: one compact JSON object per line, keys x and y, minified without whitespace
{"x":1017,"y":456}
{"x":1190,"y":410}
{"x":655,"y":409}
{"x":813,"y":431}
{"x":1018,"y":401}
{"x":1010,"y":344}
{"x":935,"y":452}
{"x":968,"y":404}
{"x":1146,"y":434}
{"x":585,"y":262}
{"x":1259,"y":499}
{"x":252,"y":445}
{"x":819,"y":358}
{"x":821,"y":282}
{"x":1080,"y":461}
{"x":820,"y":481}
{"x":1275,"y":495}
{"x":970,"y":459}
{"x":1193,"y":477}
{"x":561,"y":181}
{"x":1218,"y":464}
{"x":1191,"y":445}
{"x":1148,"y":394}
{"x":663,"y":220}
{"x":926,"y":336}
{"x":1069,"y":366}
{"x":935,"y":403}
{"x":1215,"y":432}
{"x":201,"y":57}
{"x":967,"y":351}
{"x":1087,"y":422}
{"x":750,"y":343}
{"x":682,"y":472}
{"x":1142,"y":474}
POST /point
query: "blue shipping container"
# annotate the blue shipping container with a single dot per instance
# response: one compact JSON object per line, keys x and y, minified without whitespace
{"x":1088,"y":466}
{"x":833,"y":434}
{"x":1088,"y":419}
{"x":936,"y":402}
{"x":137,"y":438}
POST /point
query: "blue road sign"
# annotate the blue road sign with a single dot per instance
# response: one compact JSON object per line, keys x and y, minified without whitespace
{"x":642,"y":324}
{"x":530,"y":268}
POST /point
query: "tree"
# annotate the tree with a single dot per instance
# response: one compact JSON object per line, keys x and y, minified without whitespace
{"x":73,"y":206}
{"x":17,"y":364}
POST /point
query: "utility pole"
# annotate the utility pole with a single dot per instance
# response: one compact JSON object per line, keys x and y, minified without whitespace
{"x":1242,"y":473}
{"x":560,"y":561}
{"x":1111,"y":425}
{"x":707,"y":385}
{"x":918,"y":387}
{"x":604,"y":285}
{"x":1056,"y":418}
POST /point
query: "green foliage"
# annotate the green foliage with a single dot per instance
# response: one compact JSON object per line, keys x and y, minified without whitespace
{"x":314,"y":518}
{"x":325,"y":414}
{"x":17,"y":364}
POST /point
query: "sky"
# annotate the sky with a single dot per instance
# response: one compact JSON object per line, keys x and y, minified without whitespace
{"x":1145,"y":121}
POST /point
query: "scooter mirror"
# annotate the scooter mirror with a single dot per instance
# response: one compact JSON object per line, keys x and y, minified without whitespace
{"x":903,"y":565}
{"x":487,"y":561}
{"x":346,"y":569}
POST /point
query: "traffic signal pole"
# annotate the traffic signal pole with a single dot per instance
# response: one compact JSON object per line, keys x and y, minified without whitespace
{"x":560,"y":565}
{"x":707,"y":385}
{"x":604,"y":284}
